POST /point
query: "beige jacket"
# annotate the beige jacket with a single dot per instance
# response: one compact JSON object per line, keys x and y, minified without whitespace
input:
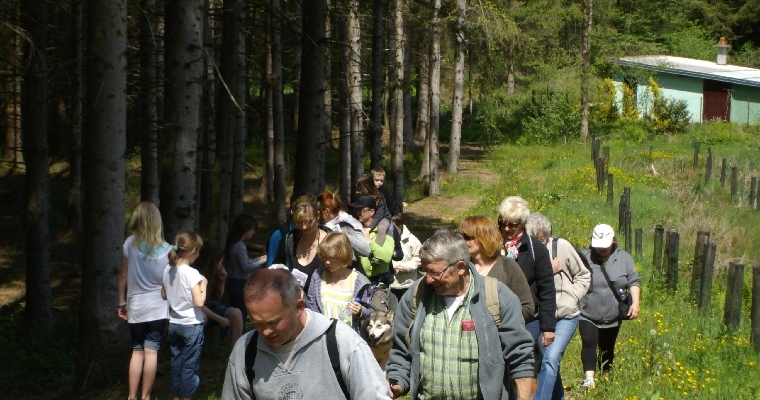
{"x":573,"y":279}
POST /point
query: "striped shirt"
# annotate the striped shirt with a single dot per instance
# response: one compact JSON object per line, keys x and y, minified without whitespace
{"x":448,"y":354}
{"x":334,"y":301}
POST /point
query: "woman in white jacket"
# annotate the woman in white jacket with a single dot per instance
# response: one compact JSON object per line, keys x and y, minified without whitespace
{"x":571,"y":279}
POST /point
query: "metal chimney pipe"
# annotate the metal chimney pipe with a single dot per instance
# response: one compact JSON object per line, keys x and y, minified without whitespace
{"x":722,"y":51}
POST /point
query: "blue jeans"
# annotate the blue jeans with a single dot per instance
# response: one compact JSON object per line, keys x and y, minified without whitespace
{"x":549,"y":381}
{"x":534,"y":328}
{"x":185,"y":342}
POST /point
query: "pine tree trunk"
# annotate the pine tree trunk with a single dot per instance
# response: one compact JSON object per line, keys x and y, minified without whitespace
{"x":101,"y":333}
{"x":149,"y":185}
{"x":237,"y":83}
{"x":423,"y":99}
{"x":207,"y":152}
{"x":269,"y":165}
{"x":34,"y":128}
{"x":435,"y":99}
{"x":278,"y":114}
{"x":355,"y":89}
{"x":511,"y":70}
{"x":456,"y":108}
{"x":310,"y":160}
{"x":297,"y":53}
{"x":344,"y":113}
{"x":588,"y":6}
{"x":327,"y":123}
{"x":13,"y":142}
{"x":407,"y":89}
{"x":75,"y":139}
{"x":184,"y":74}
{"x":378,"y":7}
{"x":397,"y":159}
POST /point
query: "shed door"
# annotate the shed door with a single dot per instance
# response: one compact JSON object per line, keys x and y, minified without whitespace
{"x":717,"y":101}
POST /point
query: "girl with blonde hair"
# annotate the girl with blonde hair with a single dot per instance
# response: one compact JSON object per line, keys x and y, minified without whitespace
{"x":335,"y":288}
{"x":185,"y":289}
{"x":145,"y":254}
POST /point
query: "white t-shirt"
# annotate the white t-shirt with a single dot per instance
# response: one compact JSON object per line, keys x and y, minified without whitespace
{"x":178,"y":284}
{"x":452,"y":303}
{"x":144,"y":276}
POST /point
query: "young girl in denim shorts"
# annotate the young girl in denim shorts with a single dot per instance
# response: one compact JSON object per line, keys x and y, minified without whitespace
{"x":145,"y":254}
{"x":185,"y":289}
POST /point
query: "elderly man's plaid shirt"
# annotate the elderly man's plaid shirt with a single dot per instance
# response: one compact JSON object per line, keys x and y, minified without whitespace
{"x":448,"y":355}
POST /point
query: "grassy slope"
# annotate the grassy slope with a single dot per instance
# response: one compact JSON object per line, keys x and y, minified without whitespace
{"x":669,"y":352}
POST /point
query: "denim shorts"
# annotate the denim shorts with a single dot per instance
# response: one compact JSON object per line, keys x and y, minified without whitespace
{"x":147,"y":334}
{"x":221,"y":310}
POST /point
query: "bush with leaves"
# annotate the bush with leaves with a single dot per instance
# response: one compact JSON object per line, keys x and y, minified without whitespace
{"x":605,"y":109}
{"x":666,"y":115}
{"x":549,"y":120}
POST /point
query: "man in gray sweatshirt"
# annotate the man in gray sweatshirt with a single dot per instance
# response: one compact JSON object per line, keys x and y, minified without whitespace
{"x":292,"y":360}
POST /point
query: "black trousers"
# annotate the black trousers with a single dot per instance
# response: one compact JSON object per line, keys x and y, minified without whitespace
{"x":593,"y":337}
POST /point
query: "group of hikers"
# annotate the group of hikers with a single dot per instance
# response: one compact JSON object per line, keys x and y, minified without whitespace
{"x":484,"y":311}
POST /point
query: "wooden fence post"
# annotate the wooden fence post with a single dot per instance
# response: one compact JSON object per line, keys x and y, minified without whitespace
{"x":659,"y":232}
{"x":723,"y":173}
{"x":734,"y":182}
{"x":696,"y":154}
{"x":705,"y":281}
{"x":610,"y":191}
{"x":628,"y":241}
{"x":606,"y":170}
{"x":755,"y":316}
{"x":732,"y":312}
{"x":672,"y":277}
{"x":593,"y":148}
{"x":665,"y":255}
{"x":696,"y":271}
{"x":752,"y":188}
{"x":708,"y":166}
{"x":638,"y":237}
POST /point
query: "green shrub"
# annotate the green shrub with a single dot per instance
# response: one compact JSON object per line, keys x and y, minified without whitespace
{"x":550,"y":119}
{"x":666,"y":115}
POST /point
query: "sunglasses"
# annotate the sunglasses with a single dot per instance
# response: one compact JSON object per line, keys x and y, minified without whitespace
{"x":510,"y":225}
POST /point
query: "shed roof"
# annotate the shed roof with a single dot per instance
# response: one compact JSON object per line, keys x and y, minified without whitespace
{"x":695,"y":68}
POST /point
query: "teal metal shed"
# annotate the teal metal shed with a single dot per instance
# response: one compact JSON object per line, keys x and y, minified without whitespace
{"x":711,"y":91}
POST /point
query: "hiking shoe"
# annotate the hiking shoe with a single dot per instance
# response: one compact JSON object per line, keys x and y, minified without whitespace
{"x":588,"y":383}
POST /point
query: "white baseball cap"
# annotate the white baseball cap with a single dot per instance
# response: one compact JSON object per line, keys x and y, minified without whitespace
{"x":602,"y":236}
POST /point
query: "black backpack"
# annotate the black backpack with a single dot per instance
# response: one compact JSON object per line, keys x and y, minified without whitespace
{"x":332,"y":350}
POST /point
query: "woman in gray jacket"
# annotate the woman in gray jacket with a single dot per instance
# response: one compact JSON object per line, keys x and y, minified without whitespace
{"x":599,"y":323}
{"x":571,"y":281}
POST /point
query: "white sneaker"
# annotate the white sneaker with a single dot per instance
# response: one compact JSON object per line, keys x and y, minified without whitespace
{"x":588,"y":383}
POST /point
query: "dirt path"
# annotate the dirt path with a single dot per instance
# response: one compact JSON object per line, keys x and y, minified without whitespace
{"x":429,"y":214}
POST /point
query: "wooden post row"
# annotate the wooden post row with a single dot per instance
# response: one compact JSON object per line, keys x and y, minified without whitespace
{"x":638,"y":241}
{"x":696,"y":154}
{"x":752,"y":188}
{"x":708,"y":166}
{"x":723,"y":173}
{"x":659,"y":232}
{"x":610,"y":191}
{"x":705,"y":280}
{"x":696,"y":272}
{"x":732,"y":312}
{"x":672,"y":274}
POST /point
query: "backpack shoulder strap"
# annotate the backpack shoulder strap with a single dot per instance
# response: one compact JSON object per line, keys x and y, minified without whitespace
{"x":334,"y":354}
{"x":492,"y":298}
{"x":554,"y":247}
{"x":417,"y":295}
{"x":250,"y":358}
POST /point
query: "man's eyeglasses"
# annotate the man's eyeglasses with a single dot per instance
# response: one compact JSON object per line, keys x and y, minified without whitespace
{"x":436,"y":275}
{"x":504,"y":224}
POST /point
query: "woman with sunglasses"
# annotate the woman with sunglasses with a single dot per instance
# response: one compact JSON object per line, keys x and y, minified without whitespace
{"x":533,"y":258}
{"x":481,"y":234}
{"x":599,"y":322}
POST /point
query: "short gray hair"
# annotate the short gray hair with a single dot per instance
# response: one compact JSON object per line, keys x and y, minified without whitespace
{"x":264,"y":281}
{"x":538,"y":225}
{"x":445,"y":245}
{"x":514,"y":208}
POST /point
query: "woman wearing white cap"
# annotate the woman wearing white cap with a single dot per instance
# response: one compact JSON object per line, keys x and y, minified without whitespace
{"x":611,"y":268}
